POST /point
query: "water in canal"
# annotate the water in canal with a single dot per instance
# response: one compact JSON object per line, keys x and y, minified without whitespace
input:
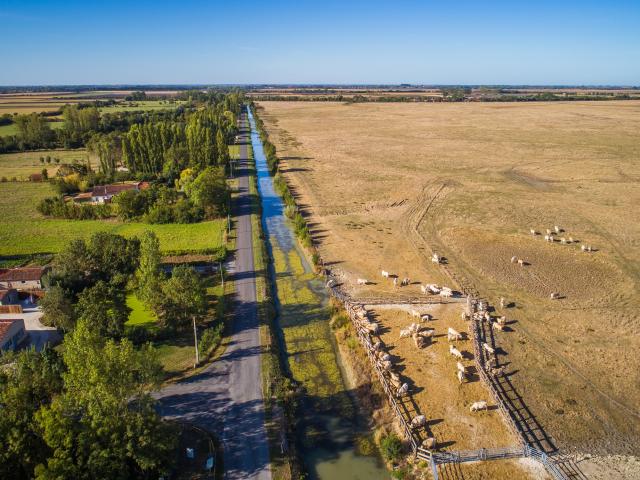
{"x":330,"y":424}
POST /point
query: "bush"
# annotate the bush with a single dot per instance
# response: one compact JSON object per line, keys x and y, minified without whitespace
{"x":138,"y":334}
{"x":391,"y":447}
{"x":210,"y":339}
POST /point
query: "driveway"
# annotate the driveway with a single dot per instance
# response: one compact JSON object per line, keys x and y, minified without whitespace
{"x":226,"y":398}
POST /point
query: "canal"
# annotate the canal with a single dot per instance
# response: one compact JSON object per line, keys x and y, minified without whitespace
{"x":330,"y":426}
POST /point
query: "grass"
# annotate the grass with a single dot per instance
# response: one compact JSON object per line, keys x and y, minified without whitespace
{"x":140,"y":315}
{"x":24,"y":231}
{"x":23,"y":164}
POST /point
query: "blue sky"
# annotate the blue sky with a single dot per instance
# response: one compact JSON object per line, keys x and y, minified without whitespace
{"x":463,"y":42}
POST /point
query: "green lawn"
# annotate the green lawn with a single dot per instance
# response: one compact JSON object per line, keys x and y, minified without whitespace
{"x":23,"y":164}
{"x":24,"y":231}
{"x":140,"y":314}
{"x":145,"y":105}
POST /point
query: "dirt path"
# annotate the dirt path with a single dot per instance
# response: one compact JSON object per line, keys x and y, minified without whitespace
{"x":226,"y":398}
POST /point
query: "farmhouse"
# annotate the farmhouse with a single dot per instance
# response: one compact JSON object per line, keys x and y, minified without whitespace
{"x":22,"y":279}
{"x":12,"y":332}
{"x":104,"y":193}
{"x":8,"y":296}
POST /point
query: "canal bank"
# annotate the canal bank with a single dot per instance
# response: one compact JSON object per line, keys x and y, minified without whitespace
{"x":328,"y":425}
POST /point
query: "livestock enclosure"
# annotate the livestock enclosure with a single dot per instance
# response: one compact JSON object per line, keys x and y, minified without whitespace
{"x":386,"y":185}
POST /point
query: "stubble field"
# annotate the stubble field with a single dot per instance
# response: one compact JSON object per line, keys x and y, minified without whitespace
{"x":385,"y":185}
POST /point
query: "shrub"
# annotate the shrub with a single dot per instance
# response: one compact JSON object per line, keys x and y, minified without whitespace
{"x":210,"y":339}
{"x":138,"y":334}
{"x":391,"y":447}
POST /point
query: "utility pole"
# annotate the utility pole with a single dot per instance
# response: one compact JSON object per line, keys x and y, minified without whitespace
{"x":221,"y":275}
{"x":195,"y":341}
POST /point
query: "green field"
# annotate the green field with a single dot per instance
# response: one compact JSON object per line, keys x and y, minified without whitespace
{"x":6,"y":130}
{"x":24,"y":231}
{"x":145,"y":105}
{"x":23,"y":164}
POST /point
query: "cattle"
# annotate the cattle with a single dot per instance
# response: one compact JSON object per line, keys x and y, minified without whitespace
{"x":331,"y":283}
{"x":419,"y":340}
{"x":446,"y":292}
{"x":424,"y":289}
{"x":461,"y":367}
{"x":403,"y":390}
{"x":405,"y":281}
{"x":455,"y":352}
{"x":570,"y":239}
{"x":557,"y":229}
{"x":549,"y":232}
{"x":394,"y":376}
{"x":362,"y":281}
{"x":419,"y":421}
{"x":384,"y":357}
{"x":533,"y":232}
{"x":502,"y":302}
{"x":488,"y":348}
{"x":405,"y":333}
{"x":554,"y":296}
{"x":385,"y":274}
{"x":377,"y":346}
{"x":563,"y":240}
{"x":395,"y":282}
{"x":487,"y":316}
{"x":372,"y":327}
{"x":514,"y":259}
{"x":521,"y":262}
{"x":395,"y":382}
{"x":386,"y":365}
{"x":427,"y":333}
{"x":502,"y":320}
{"x":433,"y":288}
{"x":435,"y":258}
{"x":497,"y":326}
{"x":477,"y":406}
{"x":429,"y":443}
{"x":464,"y":316}
{"x":497,"y":371}
{"x":453,"y":335}
{"x":415,"y":313}
{"x":461,"y":376}
{"x":425,"y":317}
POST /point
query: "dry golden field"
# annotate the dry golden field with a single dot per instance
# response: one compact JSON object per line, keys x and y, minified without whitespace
{"x":387,"y":184}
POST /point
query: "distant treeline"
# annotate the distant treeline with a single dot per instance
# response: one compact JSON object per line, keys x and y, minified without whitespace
{"x":450,"y":96}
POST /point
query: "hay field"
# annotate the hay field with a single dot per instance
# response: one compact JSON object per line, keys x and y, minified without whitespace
{"x":386,"y":184}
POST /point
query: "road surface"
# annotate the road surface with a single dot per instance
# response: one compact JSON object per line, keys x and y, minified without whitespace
{"x":226,"y":398}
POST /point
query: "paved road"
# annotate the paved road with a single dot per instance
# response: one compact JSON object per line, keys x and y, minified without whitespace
{"x":226,"y":398}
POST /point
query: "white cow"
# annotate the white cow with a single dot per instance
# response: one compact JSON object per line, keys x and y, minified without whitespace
{"x":385,"y":274}
{"x":415,"y":313}
{"x":502,"y":320}
{"x":453,"y":335}
{"x":563,"y":240}
{"x":477,"y":406}
{"x":446,"y":292}
{"x":502,"y":302}
{"x":419,"y":421}
{"x":461,"y":367}
{"x":405,"y":281}
{"x":362,"y":281}
{"x":377,"y":346}
{"x":554,"y":296}
{"x":433,"y":288}
{"x":533,"y":232}
{"x":424,"y":289}
{"x":386,"y":365}
{"x":429,"y":443}
{"x":425,"y":317}
{"x":497,"y":326}
{"x":521,"y":262}
{"x":435,"y":258}
{"x":549,"y":232}
{"x":372,"y":327}
{"x":420,"y":340}
{"x":486,"y":346}
{"x":461,"y":376}
{"x":405,"y":333}
{"x":514,"y":259}
{"x":395,"y":282}
{"x":557,"y":229}
{"x":403,"y":390}
{"x":455,"y":352}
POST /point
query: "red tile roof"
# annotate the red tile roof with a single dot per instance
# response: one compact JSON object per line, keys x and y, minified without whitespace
{"x":21,"y":274}
{"x":106,"y":190}
{"x":5,"y":325}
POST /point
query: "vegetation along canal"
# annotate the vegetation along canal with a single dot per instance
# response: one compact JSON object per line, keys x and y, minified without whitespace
{"x":329,"y":426}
